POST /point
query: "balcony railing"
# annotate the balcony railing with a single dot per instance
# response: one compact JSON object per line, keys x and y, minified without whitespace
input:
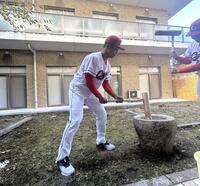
{"x":81,"y":26}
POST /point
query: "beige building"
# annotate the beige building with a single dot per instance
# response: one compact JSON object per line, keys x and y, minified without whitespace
{"x":36,"y":65}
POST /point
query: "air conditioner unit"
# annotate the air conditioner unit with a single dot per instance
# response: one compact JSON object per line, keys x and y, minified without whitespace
{"x":133,"y":94}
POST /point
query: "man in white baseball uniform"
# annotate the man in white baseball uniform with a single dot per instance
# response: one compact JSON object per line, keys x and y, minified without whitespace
{"x":192,"y":54}
{"x":93,"y":72}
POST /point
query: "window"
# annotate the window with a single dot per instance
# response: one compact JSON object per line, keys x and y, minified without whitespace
{"x":54,"y":90}
{"x":59,"y":10}
{"x":115,"y":82}
{"x":146,"y":27}
{"x":58,"y":80}
{"x":110,"y":26}
{"x":3,"y":92}
{"x":148,"y":20}
{"x":105,"y":15}
{"x":13,"y":87}
{"x":149,"y":81}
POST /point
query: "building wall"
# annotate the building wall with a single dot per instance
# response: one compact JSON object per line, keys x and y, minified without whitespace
{"x":45,"y":59}
{"x":84,"y":8}
{"x":24,"y":58}
{"x":129,"y":64}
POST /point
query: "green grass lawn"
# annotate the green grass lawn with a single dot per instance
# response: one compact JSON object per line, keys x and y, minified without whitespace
{"x":32,"y":149}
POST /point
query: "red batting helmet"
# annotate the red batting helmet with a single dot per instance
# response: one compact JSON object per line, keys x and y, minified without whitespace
{"x":115,"y":41}
{"x":194,"y":28}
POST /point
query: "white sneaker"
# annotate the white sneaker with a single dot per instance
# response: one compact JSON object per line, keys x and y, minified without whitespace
{"x":106,"y":146}
{"x":65,"y":167}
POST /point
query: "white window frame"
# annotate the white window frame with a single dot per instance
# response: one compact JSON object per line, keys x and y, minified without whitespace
{"x":105,"y":15}
{"x":146,"y":20}
{"x":60,"y":71}
{"x":154,"y":70}
{"x":59,"y":10}
{"x":12,"y":71}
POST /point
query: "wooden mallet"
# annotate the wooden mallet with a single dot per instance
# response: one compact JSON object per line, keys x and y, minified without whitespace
{"x":171,"y":33}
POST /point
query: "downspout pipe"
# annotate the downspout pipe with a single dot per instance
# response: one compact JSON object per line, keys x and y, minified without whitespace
{"x":34,"y":74}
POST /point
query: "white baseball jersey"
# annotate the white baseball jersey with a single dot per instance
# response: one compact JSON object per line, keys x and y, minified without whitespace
{"x":79,"y":94}
{"x":193,"y":47}
{"x":95,"y":65}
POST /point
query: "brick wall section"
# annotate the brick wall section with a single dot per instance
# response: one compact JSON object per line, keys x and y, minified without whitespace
{"x":45,"y":59}
{"x":26,"y":58}
{"x":129,"y":71}
{"x":129,"y":64}
{"x":84,"y":8}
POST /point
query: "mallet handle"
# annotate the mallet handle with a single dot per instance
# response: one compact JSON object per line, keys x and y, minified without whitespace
{"x":172,"y":60}
{"x":146,"y":105}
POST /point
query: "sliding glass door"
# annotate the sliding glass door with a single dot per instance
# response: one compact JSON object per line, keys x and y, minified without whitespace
{"x":58,"y":80}
{"x":12,"y":87}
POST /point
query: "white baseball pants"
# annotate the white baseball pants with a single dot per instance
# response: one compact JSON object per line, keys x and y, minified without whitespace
{"x":75,"y":118}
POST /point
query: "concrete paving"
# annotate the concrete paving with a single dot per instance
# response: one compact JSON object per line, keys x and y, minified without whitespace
{"x":184,"y":178}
